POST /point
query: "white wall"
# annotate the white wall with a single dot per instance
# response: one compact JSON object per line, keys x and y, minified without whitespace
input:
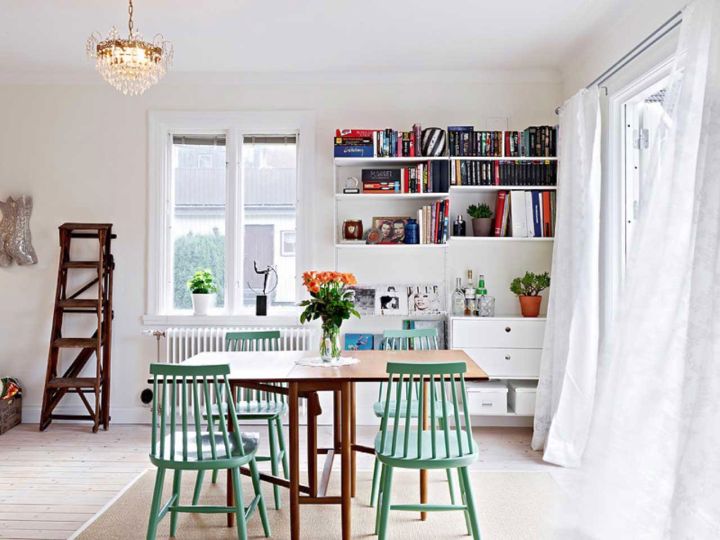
{"x":81,"y":152}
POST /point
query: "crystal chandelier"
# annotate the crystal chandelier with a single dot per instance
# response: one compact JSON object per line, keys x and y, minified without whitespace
{"x":131,"y":65}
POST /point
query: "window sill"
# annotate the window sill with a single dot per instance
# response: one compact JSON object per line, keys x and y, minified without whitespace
{"x":275,"y":317}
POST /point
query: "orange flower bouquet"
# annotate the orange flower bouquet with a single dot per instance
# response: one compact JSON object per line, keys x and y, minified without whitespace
{"x":331,"y":301}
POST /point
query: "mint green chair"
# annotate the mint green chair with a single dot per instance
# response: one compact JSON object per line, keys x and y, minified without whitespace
{"x":401,"y":442}
{"x":403,"y":340}
{"x":182,"y":401}
{"x":256,"y":405}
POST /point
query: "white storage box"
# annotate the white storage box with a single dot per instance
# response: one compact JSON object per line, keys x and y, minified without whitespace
{"x":487,"y":397}
{"x":521,"y":397}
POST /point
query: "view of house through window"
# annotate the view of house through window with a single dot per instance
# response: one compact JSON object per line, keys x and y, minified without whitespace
{"x":198,"y":216}
{"x":269,"y":178}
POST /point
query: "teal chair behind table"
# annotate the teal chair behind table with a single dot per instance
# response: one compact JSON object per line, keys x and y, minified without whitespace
{"x":403,"y":340}
{"x":184,"y":438}
{"x":257,"y":405}
{"x":401,"y":442}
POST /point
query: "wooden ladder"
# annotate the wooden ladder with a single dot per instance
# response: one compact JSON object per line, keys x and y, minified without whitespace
{"x":98,"y":304}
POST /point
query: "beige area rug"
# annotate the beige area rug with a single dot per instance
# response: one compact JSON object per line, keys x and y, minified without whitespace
{"x":511,"y":506}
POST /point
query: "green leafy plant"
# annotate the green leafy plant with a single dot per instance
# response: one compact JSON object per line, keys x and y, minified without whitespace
{"x":202,"y":282}
{"x":530,"y":284}
{"x":481,"y":210}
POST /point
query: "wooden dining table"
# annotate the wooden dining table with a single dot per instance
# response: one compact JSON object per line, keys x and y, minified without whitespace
{"x":263,"y":370}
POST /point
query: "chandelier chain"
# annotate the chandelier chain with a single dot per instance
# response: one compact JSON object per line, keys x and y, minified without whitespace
{"x":130,"y":20}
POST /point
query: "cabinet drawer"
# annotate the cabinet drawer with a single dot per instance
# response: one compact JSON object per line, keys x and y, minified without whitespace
{"x":507,"y":363}
{"x":493,"y":333}
{"x":487,"y":398}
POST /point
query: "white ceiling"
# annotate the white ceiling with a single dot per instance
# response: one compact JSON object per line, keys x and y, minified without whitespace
{"x":333,"y":36}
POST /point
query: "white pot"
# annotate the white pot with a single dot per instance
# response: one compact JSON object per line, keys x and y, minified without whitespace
{"x":202,"y":303}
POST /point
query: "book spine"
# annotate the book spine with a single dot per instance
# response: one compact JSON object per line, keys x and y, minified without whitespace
{"x":358,"y":133}
{"x":529,"y":216}
{"x":353,"y":151}
{"x":499,"y":209}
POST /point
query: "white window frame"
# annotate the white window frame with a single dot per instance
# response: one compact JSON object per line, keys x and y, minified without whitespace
{"x":235,"y":125}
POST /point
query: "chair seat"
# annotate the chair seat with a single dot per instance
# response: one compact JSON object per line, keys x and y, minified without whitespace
{"x":425,"y":459}
{"x":254,"y":409}
{"x":250,"y":442}
{"x":379,"y":407}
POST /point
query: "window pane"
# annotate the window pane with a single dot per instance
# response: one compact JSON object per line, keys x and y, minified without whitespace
{"x":270,"y":180}
{"x":198,"y":221}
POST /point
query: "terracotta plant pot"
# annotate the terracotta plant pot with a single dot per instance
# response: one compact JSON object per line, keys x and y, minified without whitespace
{"x":482,"y":226}
{"x":530,"y":305}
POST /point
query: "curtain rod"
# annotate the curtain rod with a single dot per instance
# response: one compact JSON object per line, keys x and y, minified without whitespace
{"x":659,"y":33}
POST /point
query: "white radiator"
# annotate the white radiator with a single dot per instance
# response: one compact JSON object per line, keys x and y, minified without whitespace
{"x":182,"y":343}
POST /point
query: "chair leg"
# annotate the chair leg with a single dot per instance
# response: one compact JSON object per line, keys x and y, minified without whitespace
{"x":470,"y":498}
{"x":274,"y":461}
{"x":215,"y":472}
{"x":198,"y":486}
{"x":379,"y":497}
{"x":176,"y":493}
{"x":466,"y":515}
{"x":281,"y":444}
{"x":451,"y":485}
{"x":155,"y":505}
{"x":239,"y":505}
{"x":374,"y":485}
{"x":385,"y":502}
{"x":258,"y":492}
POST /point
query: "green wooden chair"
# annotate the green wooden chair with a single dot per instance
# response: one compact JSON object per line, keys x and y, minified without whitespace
{"x":402,"y":443}
{"x":182,"y":400}
{"x":402,"y":340}
{"x":256,"y":405}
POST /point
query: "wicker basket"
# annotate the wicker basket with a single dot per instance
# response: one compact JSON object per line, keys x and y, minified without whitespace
{"x":10,"y":413}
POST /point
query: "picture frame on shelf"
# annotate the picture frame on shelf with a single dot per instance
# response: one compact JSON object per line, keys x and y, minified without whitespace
{"x":391,"y":300}
{"x":438,"y":324}
{"x":391,"y":229}
{"x":424,"y":299}
{"x":364,"y":298}
{"x":359,"y":342}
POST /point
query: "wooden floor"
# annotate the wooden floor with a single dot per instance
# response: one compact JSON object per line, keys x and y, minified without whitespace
{"x":51,"y":483}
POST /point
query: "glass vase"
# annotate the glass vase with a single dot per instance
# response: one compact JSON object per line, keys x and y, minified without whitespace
{"x":330,"y":343}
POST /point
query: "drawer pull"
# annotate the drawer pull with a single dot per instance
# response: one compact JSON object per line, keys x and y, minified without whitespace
{"x":487,"y":403}
{"x":508,"y":329}
{"x":507,"y":357}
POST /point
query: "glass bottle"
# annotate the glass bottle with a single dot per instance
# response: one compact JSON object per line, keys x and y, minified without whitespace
{"x":485,"y":303}
{"x":470,"y":302}
{"x":458,"y":298}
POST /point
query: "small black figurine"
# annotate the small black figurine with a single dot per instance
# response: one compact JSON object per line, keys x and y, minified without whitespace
{"x":261,"y":299}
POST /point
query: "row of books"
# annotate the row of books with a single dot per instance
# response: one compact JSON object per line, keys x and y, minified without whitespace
{"x":429,"y":177}
{"x":378,"y":143}
{"x":503,"y":173}
{"x":433,"y":222}
{"x":535,"y":141}
{"x":525,"y":214}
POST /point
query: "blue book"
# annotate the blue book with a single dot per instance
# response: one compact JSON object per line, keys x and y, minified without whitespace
{"x":346,"y":150}
{"x":537,"y":216}
{"x":359,"y":342}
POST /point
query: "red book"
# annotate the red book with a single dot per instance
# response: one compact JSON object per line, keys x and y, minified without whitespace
{"x":499,"y":210}
{"x":498,"y":181}
{"x":547,"y":230}
{"x":356,"y":133}
{"x":412,"y":144}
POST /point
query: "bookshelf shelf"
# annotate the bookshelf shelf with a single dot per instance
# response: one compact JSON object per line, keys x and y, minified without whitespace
{"x":501,"y":158}
{"x":484,"y":239}
{"x":389,"y":196}
{"x":388,"y":247}
{"x":478,"y":189}
{"x":376,"y":161}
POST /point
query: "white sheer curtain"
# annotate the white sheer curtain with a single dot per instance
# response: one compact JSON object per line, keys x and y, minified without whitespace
{"x":652,"y":465}
{"x":569,"y":362}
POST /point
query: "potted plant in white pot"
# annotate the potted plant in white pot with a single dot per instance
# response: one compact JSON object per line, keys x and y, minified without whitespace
{"x":203,"y":289}
{"x":528,"y":289}
{"x":481,"y":219}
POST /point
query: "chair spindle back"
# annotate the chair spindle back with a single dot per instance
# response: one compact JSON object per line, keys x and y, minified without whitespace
{"x":256,"y":340}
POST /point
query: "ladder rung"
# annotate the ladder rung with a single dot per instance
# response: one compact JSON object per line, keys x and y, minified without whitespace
{"x":81,"y":264}
{"x":71,"y":417}
{"x":73,"y":382}
{"x":76,"y":343}
{"x":79,"y":303}
{"x":85,"y":226}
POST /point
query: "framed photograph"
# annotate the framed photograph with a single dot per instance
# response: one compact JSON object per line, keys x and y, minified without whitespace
{"x":424,"y":299}
{"x":391,"y":229}
{"x":364,"y":299}
{"x":438,"y":324}
{"x":359,"y":342}
{"x":391,"y":300}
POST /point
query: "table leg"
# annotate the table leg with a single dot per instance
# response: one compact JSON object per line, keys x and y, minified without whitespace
{"x":353,"y":456}
{"x":312,"y":453}
{"x":336,"y":420}
{"x":229,"y":491}
{"x":423,"y":472}
{"x":346,"y":495}
{"x":293,"y":448}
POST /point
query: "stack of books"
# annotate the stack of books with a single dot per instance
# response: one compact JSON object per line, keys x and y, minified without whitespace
{"x":433,"y":221}
{"x":503,"y":173}
{"x":535,"y":141}
{"x":465,"y":141}
{"x":354,"y":143}
{"x":426,"y":177}
{"x":525,"y":214}
{"x":378,"y":142}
